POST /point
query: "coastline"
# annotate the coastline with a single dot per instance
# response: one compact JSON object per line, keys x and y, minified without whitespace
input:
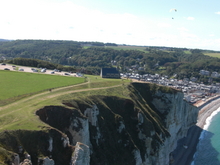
{"x":183,"y":156}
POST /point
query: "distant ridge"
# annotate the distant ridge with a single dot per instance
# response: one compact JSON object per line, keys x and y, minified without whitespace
{"x":4,"y":40}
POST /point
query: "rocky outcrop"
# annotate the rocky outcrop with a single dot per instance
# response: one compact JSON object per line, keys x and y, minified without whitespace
{"x":48,"y":161}
{"x":26,"y":162}
{"x":81,"y":155}
{"x":35,"y":147}
{"x":16,"y":159}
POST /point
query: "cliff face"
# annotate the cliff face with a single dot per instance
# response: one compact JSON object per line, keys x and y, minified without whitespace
{"x":143,"y":129}
{"x":176,"y":115}
{"x":179,"y":118}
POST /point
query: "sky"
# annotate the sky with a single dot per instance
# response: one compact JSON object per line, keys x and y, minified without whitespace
{"x":194,"y":23}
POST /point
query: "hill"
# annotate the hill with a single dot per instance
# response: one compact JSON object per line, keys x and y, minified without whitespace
{"x":102,"y":117}
{"x":91,"y":56}
{"x":4,"y":40}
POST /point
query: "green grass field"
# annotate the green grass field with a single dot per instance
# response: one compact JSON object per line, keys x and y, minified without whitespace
{"x":16,"y":85}
{"x":121,"y":47}
{"x":20,"y":116}
{"x":187,"y":52}
{"x":141,"y":48}
{"x":20,"y":113}
{"x":213,"y":54}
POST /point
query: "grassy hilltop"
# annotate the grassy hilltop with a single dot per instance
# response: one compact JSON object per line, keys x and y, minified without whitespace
{"x":31,"y":121}
{"x":23,"y":93}
{"x":17,"y":85}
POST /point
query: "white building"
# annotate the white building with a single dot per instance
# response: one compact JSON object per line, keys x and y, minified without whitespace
{"x":204,"y":72}
{"x":214,"y":74}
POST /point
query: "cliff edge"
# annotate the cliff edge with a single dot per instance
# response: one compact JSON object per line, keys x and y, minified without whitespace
{"x":141,"y":129}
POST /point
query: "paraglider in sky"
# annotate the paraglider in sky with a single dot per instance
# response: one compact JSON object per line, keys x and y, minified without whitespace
{"x":173,"y":10}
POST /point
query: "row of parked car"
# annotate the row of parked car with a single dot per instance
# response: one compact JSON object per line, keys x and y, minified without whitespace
{"x":5,"y":68}
{"x":42,"y":70}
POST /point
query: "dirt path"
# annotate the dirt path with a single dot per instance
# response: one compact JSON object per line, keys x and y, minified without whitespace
{"x":40,"y":94}
{"x":44,"y":96}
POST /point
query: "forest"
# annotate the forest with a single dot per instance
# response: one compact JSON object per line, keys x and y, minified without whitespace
{"x":89,"y":57}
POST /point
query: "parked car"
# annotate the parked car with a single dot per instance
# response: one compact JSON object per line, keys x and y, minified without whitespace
{"x":56,"y":70}
{"x":3,"y":64}
{"x":6,"y":69}
{"x":21,"y":69}
{"x":43,"y":70}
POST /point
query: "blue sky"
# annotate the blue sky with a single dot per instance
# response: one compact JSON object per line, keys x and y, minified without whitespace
{"x":195,"y":24}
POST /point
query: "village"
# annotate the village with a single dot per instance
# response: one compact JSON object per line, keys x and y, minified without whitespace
{"x":193,"y":91}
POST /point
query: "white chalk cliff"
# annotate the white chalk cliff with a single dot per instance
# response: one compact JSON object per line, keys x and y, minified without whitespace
{"x":179,"y":116}
{"x":142,"y":129}
{"x":81,"y":155}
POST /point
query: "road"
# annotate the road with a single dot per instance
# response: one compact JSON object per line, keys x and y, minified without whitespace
{"x":29,"y":69}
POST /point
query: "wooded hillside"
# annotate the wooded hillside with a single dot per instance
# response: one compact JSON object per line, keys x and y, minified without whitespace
{"x":94,"y":55}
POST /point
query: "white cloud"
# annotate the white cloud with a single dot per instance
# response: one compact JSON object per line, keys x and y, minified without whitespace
{"x":40,"y":19}
{"x":183,"y":29}
{"x":67,"y":21}
{"x":218,"y":12}
{"x":186,"y":38}
{"x":190,"y":18}
{"x":64,"y":20}
{"x":164,"y":25}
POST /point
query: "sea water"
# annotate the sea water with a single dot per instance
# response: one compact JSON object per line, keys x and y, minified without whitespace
{"x":208,"y":148}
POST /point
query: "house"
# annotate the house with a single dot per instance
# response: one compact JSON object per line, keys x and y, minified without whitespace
{"x":109,"y":73}
{"x":214,"y":74}
{"x":187,"y":98}
{"x":193,"y":79}
{"x":204,"y":72}
{"x":141,"y":68}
